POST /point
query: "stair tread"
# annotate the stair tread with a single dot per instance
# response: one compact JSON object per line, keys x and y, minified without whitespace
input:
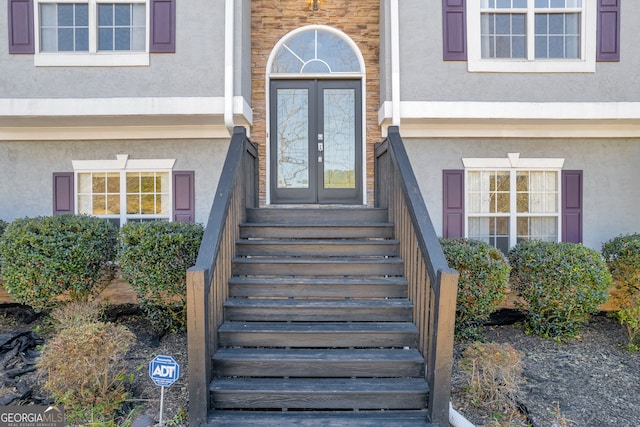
{"x":415,"y":418}
{"x":319,"y":327}
{"x":292,"y":355}
{"x":344,"y":260}
{"x":306,"y":303}
{"x":317,"y":241}
{"x":322,"y":385}
{"x":319,"y":214}
{"x":315,"y":224}
{"x":317,"y":260}
{"x":395,"y":280}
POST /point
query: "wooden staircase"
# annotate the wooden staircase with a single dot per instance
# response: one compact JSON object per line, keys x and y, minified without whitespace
{"x":317,"y":327}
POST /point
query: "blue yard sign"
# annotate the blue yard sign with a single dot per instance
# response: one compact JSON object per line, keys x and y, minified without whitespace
{"x":163,"y":370}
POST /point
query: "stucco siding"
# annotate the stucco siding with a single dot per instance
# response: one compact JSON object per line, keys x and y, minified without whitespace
{"x":425,"y":76}
{"x":610,"y":171}
{"x":26,"y":168}
{"x":194,"y":70}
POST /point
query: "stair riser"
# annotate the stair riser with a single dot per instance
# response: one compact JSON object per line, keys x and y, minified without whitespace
{"x":316,"y":339}
{"x":251,"y":248}
{"x":296,"y":314}
{"x":319,"y":369}
{"x":258,"y":268}
{"x":415,"y":418}
{"x":306,"y":232}
{"x":338,"y":400}
{"x":318,"y":290}
{"x":317,"y":216}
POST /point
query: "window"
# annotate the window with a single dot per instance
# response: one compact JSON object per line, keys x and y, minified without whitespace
{"x":91,"y":32}
{"x":146,"y":195}
{"x":505,"y":207}
{"x":125,"y":190}
{"x":315,"y":51}
{"x":508,"y":203}
{"x":532,"y":35}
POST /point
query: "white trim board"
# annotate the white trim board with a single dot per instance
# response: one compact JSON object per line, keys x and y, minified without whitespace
{"x":515,"y":119}
{"x":27,"y":107}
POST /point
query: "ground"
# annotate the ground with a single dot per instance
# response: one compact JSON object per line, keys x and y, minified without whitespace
{"x":590,"y":381}
{"x":143,"y":407}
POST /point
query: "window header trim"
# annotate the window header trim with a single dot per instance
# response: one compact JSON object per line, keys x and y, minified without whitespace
{"x":513,"y":161}
{"x":122,"y":162}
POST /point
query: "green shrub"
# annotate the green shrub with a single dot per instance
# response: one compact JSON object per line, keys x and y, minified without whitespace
{"x":562,"y":285}
{"x":484,"y":273}
{"x":84,"y":367}
{"x":45,"y":257}
{"x":154,"y":258}
{"x":623,"y":258}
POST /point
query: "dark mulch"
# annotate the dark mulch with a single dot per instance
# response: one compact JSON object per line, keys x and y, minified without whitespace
{"x":588,"y":381}
{"x":25,"y":331}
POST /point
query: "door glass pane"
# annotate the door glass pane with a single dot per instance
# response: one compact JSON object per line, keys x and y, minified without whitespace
{"x":292,"y":148}
{"x":339,"y":138}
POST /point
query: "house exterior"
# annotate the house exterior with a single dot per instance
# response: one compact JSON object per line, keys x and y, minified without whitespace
{"x":521,"y":117}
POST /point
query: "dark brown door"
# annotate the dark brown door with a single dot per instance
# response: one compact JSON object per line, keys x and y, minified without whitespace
{"x":316,"y":141}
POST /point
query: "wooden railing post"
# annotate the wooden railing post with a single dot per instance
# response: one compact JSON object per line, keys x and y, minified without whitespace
{"x":441,"y":344}
{"x":198,"y":346}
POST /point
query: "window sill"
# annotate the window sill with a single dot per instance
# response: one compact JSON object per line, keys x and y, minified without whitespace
{"x":128,"y":59}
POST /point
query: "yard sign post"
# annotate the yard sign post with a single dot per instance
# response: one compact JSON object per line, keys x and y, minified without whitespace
{"x":164,"y":371}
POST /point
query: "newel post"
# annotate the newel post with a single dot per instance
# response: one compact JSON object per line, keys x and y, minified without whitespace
{"x":198,"y":346}
{"x":441,"y":355}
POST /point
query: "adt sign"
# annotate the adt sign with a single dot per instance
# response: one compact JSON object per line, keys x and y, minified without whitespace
{"x":163,"y":370}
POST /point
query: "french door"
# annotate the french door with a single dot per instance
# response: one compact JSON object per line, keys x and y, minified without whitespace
{"x":316,"y":141}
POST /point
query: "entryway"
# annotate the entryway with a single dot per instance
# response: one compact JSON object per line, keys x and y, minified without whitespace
{"x":316,"y":141}
{"x":316,"y":84}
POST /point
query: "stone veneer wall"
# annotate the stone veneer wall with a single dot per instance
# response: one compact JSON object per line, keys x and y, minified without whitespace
{"x":273,"y":19}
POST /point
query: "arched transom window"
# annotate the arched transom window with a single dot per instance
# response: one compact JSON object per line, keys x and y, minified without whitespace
{"x":315,"y":51}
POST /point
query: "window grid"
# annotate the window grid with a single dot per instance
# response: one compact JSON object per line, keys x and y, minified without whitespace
{"x":531,"y":29}
{"x":64,"y":27}
{"x":123,"y":197}
{"x":147,"y":194}
{"x":128,"y":34}
{"x":505,"y":207}
{"x":121,"y":26}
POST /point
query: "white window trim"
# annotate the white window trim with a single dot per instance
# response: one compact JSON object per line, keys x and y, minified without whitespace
{"x":92,"y":58}
{"x":586,"y":64}
{"x":122,"y":164}
{"x":513,"y":163}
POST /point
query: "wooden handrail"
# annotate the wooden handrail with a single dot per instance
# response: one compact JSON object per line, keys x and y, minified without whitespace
{"x":433,"y":285}
{"x":207,"y":280}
